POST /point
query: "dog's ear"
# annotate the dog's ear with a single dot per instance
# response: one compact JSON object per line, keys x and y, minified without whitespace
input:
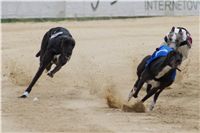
{"x":173,"y":29}
{"x":166,"y":39}
{"x":180,"y":32}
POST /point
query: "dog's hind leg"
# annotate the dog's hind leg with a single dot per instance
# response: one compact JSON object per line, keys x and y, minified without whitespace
{"x":150,"y":93}
{"x":148,"y":87}
{"x":161,"y":88}
{"x":140,"y":69}
{"x":155,"y":99}
{"x":44,"y":45}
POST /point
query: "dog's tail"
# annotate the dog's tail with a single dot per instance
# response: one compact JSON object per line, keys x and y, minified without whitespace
{"x":38,"y":54}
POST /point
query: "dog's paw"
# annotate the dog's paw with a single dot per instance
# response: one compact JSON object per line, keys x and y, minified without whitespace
{"x":130,"y":95}
{"x":135,"y":95}
{"x":50,"y":74}
{"x":23,"y":96}
{"x":151,"y":107}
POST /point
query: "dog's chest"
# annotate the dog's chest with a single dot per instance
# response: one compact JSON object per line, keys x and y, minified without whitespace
{"x":56,"y":59}
{"x":165,"y":70}
{"x":153,"y":83}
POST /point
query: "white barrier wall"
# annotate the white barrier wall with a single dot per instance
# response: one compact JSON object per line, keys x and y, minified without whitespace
{"x":98,"y":8}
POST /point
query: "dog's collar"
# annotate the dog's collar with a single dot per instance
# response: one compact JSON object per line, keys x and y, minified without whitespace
{"x":184,"y":43}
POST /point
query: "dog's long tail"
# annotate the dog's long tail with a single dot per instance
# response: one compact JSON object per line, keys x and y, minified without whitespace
{"x":38,"y":54}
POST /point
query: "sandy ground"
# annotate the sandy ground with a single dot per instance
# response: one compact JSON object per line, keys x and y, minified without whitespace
{"x":106,"y":55}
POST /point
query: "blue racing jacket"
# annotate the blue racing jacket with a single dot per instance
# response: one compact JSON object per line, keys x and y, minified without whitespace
{"x":162,"y":51}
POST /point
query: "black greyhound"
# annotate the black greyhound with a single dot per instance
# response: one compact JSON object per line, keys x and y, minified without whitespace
{"x":56,"y":48}
{"x":158,"y":75}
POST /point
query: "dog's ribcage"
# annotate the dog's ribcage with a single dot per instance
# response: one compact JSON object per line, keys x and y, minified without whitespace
{"x":155,"y":83}
{"x":55,"y":59}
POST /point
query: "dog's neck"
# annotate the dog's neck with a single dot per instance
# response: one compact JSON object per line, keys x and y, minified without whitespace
{"x":172,"y":45}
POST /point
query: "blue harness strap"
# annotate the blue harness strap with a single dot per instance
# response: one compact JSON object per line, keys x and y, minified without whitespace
{"x":162,"y":51}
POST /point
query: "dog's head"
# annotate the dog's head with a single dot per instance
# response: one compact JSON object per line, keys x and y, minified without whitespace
{"x":173,"y":39}
{"x":178,"y":37}
{"x":67,"y":46}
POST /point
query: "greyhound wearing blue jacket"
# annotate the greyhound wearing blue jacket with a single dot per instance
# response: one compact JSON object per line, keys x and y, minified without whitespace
{"x":159,"y":69}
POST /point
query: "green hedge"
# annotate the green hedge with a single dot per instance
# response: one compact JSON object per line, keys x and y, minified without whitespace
{"x":15,"y":20}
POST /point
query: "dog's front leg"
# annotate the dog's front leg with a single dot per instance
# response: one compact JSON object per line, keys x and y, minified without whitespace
{"x":133,"y":89}
{"x":61,"y":62}
{"x":36,"y":77}
{"x":56,"y":69}
{"x":143,"y":78}
{"x":138,"y":88}
{"x":48,"y":67}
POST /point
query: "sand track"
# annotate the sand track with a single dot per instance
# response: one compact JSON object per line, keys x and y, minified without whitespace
{"x":106,"y":55}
